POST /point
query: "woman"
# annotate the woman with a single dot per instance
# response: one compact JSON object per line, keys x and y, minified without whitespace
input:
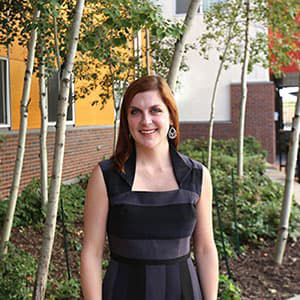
{"x":151,"y":200}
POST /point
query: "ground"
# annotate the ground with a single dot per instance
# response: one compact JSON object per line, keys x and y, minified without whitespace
{"x":255,"y":271}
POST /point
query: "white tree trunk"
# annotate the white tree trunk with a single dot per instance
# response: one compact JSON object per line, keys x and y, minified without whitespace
{"x":57,"y":52}
{"x":179,"y":47}
{"x":240,"y":160}
{"x":7,"y":226}
{"x":213,"y":99}
{"x":148,"y":52}
{"x":289,"y":183}
{"x":43,"y":134}
{"x":49,"y":229}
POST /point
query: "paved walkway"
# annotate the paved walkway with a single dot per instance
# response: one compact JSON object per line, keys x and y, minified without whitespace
{"x":297,"y":297}
{"x":279,"y":176}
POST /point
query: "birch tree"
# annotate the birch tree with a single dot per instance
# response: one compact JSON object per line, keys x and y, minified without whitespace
{"x":284,"y":24}
{"x":230,"y":14}
{"x":289,"y":182}
{"x":7,"y":226}
{"x":180,"y":43}
{"x":226,"y":26}
{"x":43,"y":132}
{"x":49,"y":229}
{"x":244,"y":92}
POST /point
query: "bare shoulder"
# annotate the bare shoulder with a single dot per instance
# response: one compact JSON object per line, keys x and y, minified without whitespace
{"x":206,"y":178}
{"x":96,"y":187}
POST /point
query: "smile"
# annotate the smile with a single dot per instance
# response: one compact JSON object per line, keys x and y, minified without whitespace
{"x":148,"y":131}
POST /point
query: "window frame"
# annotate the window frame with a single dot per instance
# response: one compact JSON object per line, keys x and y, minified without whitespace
{"x":7,"y":96}
{"x":199,"y":12}
{"x":72,"y":91}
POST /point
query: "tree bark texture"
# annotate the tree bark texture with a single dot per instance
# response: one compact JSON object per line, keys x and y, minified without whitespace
{"x":148,"y":51}
{"x":43,"y":134}
{"x":50,"y":224}
{"x":240,"y":160}
{"x":179,"y":47}
{"x":289,"y":183}
{"x":7,"y":226}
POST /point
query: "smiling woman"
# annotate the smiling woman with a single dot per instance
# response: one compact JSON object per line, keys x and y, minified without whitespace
{"x":148,"y":120}
{"x":151,"y":200}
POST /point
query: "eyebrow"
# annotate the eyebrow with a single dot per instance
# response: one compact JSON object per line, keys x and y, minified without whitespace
{"x":153,"y":106}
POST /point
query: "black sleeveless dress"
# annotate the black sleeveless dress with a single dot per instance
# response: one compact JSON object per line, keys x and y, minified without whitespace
{"x":149,"y":235}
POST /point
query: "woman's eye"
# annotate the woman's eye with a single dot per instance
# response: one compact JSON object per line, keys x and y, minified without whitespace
{"x":156,"y":110}
{"x":133,"y":111}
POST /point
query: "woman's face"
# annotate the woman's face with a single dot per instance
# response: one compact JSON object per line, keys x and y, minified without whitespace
{"x":148,"y":119}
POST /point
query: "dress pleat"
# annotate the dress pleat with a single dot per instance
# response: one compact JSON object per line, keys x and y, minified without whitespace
{"x":156,"y":282}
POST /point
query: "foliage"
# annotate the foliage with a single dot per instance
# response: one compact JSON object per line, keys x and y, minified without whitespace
{"x":73,"y":199}
{"x":109,"y":29}
{"x":63,"y":289}
{"x":16,"y":24}
{"x":29,"y":210}
{"x":17,"y":269}
{"x":283,"y":23}
{"x":228,"y":289}
{"x":258,"y":199}
{"x":232,"y":14}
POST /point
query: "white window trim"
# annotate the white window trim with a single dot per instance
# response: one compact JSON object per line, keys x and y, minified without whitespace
{"x":8,"y":125}
{"x":72,"y":122}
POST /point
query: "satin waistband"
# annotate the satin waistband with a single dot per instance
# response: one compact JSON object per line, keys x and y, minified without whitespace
{"x":134,"y":261}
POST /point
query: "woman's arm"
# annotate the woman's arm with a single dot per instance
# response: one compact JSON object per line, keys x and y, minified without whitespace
{"x":95,"y":217}
{"x":204,"y":246}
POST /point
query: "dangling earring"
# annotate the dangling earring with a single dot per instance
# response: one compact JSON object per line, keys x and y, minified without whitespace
{"x":172,"y":132}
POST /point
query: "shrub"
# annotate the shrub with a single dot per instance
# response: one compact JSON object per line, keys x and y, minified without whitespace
{"x":258,"y":199}
{"x":228,"y":289}
{"x":29,"y":209}
{"x":63,"y":289}
{"x":17,"y":269}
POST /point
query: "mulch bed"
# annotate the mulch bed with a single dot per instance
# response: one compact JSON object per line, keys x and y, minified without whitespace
{"x":255,"y":271}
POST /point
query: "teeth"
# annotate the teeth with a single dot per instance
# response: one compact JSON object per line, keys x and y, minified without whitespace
{"x":148,"y":131}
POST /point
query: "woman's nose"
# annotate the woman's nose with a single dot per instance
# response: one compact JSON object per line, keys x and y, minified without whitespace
{"x":146,"y":119}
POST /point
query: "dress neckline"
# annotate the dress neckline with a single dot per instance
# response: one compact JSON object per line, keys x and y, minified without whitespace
{"x":181,"y":169}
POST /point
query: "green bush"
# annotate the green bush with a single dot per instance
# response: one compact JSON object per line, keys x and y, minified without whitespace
{"x":29,"y":210}
{"x":228,"y":289}
{"x":258,"y":199}
{"x":73,"y":196}
{"x":17,"y":270}
{"x":64,"y":289}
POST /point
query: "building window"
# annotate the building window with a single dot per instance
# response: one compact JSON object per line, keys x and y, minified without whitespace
{"x":206,"y":4}
{"x":4,"y":93}
{"x":53,"y":83}
{"x":181,"y":6}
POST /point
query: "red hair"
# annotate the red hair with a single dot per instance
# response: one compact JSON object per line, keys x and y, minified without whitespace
{"x":147,"y":83}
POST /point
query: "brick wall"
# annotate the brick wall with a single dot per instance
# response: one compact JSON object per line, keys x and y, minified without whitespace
{"x":84,"y":148}
{"x":259,"y":118}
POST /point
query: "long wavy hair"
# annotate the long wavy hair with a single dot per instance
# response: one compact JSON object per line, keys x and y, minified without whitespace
{"x":125,"y":144}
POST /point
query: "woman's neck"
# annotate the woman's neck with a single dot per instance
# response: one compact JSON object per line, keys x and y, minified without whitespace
{"x":157,"y":158}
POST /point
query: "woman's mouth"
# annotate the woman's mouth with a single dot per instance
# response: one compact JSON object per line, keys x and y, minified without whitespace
{"x":148,"y":131}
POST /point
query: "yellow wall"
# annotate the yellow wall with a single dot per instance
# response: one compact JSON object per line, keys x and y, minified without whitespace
{"x":85,"y":114}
